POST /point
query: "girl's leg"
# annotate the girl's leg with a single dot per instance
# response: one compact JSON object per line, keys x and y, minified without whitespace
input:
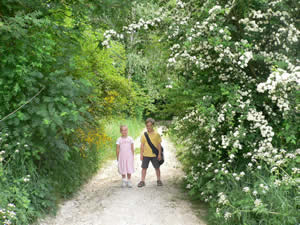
{"x":129,"y":184}
{"x":124,"y":181}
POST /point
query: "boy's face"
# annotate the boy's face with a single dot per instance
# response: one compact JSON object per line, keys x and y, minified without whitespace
{"x":149,"y":127}
{"x":124,"y":131}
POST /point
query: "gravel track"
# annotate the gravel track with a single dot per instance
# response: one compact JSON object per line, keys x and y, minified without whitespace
{"x":102,"y":201}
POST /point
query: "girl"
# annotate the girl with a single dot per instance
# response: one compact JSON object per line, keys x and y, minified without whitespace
{"x":125,"y":155}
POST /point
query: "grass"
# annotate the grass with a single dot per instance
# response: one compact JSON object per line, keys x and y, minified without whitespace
{"x":112,"y":129}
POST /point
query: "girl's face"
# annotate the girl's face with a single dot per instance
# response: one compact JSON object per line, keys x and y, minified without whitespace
{"x":124,"y":131}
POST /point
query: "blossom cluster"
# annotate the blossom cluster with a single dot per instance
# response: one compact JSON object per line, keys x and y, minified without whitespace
{"x":248,"y":127}
{"x":8,"y":215}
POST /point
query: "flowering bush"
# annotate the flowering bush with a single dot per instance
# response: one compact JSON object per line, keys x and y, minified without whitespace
{"x":240,"y":132}
{"x":233,"y":84}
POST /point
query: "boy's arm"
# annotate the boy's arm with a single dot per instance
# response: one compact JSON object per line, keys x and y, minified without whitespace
{"x":159,"y":148}
{"x":142,"y":151}
{"x":159,"y":151}
{"x":118,"y":151}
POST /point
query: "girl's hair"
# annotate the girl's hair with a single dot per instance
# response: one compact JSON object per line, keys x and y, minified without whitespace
{"x":123,"y":126}
{"x":150,"y":120}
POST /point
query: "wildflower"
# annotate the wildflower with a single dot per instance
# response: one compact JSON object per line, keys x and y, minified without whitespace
{"x":254,"y":193}
{"x":246,"y":189}
{"x":257,"y":202}
{"x":227,"y":215}
{"x":11,"y":205}
{"x":17,"y":151}
{"x":222,"y":198}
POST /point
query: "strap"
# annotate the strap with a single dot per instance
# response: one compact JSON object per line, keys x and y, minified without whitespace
{"x":154,"y":149}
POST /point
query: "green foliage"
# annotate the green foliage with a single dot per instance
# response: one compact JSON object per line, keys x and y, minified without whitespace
{"x":56,"y":84}
{"x":237,"y":119}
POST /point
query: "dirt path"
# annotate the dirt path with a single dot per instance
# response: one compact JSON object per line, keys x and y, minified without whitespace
{"x":103,"y":201}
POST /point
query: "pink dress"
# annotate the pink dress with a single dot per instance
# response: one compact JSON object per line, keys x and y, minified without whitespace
{"x":125,"y":163}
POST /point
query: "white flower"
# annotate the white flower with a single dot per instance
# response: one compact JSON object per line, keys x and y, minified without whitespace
{"x":254,"y":193}
{"x":222,"y":198}
{"x":11,"y":205}
{"x":246,"y":189}
{"x":257,"y":202}
{"x":231,"y":156}
{"x":17,"y":151}
{"x":227,"y":215}
{"x":215,"y":8}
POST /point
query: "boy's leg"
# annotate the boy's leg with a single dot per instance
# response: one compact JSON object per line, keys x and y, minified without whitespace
{"x":157,"y":170}
{"x":128,"y":176}
{"x":145,"y":164}
{"x":156,"y":165}
{"x":123,"y":176}
{"x":144,"y":171}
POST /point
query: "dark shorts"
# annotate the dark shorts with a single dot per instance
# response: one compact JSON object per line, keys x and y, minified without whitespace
{"x":154,"y":161}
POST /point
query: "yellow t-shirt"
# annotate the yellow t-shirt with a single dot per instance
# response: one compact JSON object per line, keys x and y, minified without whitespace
{"x":155,"y":139}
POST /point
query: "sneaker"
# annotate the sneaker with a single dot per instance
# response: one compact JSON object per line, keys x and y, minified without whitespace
{"x":129,"y":184}
{"x":124,"y":183}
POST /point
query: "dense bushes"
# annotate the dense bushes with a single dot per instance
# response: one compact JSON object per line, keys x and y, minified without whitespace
{"x":57,"y":88}
{"x":240,"y":78}
{"x":232,"y":83}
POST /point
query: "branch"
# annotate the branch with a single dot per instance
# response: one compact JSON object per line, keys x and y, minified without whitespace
{"x":5,"y":117}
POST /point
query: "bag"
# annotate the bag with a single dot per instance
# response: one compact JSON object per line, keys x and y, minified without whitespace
{"x":155,"y":150}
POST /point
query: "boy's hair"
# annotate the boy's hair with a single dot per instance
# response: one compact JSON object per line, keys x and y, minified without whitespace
{"x":150,"y":120}
{"x":123,"y":126}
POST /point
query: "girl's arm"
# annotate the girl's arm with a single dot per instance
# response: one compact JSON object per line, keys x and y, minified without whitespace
{"x":132,"y":148}
{"x":118,"y":151}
